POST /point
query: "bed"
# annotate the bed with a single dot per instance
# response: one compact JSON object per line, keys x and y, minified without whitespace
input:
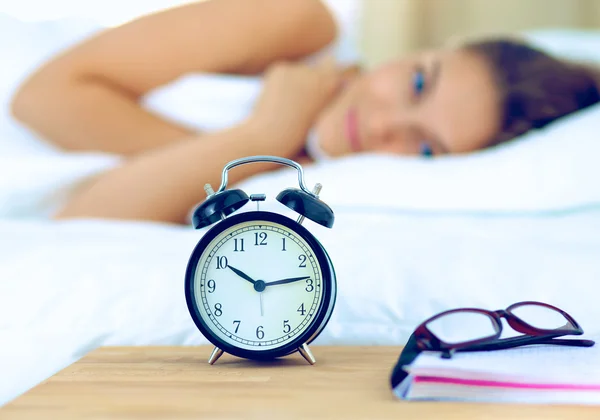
{"x":70,"y":287}
{"x":519,"y":222}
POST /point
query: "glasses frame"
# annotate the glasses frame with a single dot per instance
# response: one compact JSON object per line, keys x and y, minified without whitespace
{"x":427,"y":340}
{"x":422,"y":339}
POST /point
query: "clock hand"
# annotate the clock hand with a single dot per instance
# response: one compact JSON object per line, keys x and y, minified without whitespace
{"x":285,"y":281}
{"x":262,"y":312}
{"x":241,"y":274}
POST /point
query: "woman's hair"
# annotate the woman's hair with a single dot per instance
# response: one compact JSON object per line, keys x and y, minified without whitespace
{"x":535,"y":88}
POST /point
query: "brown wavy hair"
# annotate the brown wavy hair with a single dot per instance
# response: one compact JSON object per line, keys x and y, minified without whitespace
{"x":535,"y":87}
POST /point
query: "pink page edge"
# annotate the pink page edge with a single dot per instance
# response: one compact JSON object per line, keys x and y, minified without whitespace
{"x":505,"y":384}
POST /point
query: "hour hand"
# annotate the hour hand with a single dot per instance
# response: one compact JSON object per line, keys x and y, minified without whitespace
{"x":242,"y":274}
{"x":290,"y":280}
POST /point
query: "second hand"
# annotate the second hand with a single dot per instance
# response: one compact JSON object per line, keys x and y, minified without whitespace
{"x":262,"y":313}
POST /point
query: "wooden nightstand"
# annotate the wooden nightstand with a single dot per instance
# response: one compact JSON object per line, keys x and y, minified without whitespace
{"x":178,"y":383}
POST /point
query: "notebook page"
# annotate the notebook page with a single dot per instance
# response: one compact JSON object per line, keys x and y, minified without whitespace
{"x":539,"y":363}
{"x":442,"y":392}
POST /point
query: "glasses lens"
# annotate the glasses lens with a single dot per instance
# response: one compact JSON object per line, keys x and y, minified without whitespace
{"x":542,"y":317}
{"x":463,"y":326}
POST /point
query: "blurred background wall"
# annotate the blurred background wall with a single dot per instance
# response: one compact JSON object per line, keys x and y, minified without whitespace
{"x":392,"y":27}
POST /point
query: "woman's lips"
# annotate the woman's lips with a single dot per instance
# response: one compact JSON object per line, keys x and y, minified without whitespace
{"x":352,"y":130}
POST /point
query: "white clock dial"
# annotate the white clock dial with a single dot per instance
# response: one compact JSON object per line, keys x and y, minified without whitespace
{"x":258,"y":285}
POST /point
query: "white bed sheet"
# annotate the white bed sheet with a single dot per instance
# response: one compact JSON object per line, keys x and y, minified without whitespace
{"x":69,"y":287}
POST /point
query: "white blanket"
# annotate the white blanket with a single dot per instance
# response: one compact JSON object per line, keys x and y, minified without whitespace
{"x":67,"y":288}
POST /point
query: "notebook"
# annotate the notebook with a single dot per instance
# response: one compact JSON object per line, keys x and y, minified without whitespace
{"x":539,"y":374}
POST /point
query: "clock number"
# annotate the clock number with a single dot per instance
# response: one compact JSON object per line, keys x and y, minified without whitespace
{"x":237,"y":325}
{"x":309,"y":285}
{"x":301,"y":310}
{"x":302,"y":259}
{"x":262,"y":236}
{"x":221,"y":262}
{"x":219,"y":309}
{"x":260,"y":334}
{"x":286,"y":326}
{"x":283,"y":248}
{"x":235,"y":245}
{"x":211,"y":286}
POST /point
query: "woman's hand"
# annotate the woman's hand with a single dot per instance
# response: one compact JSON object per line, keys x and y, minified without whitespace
{"x":293,"y":96}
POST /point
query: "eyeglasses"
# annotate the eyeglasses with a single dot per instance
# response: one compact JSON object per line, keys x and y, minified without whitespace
{"x":474,"y":329}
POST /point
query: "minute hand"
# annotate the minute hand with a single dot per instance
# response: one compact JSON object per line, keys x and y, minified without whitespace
{"x":285,"y":281}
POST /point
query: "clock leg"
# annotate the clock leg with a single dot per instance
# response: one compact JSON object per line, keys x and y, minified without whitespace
{"x":307,"y":354}
{"x":214,"y":356}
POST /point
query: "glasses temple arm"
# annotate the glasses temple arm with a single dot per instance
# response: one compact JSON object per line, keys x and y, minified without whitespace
{"x":512,"y":342}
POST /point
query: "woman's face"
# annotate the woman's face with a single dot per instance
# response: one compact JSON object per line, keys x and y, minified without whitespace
{"x":431,"y":103}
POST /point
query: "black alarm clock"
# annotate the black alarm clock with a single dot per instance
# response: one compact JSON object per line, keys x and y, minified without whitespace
{"x":258,"y":284}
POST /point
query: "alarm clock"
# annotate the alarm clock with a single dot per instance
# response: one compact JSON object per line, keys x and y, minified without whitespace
{"x":258,"y":284}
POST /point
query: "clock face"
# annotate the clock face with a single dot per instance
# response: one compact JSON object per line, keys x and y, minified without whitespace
{"x":258,"y":285}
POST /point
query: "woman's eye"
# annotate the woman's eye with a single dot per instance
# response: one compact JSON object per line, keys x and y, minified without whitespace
{"x":419,"y":81}
{"x":426,"y":150}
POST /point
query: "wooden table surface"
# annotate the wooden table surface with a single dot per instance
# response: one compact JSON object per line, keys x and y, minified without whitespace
{"x":178,"y":383}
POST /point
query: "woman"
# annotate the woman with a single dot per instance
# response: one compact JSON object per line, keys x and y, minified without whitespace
{"x":445,"y":101}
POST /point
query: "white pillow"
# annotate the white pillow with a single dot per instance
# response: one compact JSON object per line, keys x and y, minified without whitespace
{"x":574,"y":44}
{"x":552,"y":170}
{"x":549,"y":170}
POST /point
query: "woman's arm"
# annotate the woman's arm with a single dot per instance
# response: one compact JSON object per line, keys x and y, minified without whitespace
{"x":87,"y":98}
{"x":164,"y":184}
